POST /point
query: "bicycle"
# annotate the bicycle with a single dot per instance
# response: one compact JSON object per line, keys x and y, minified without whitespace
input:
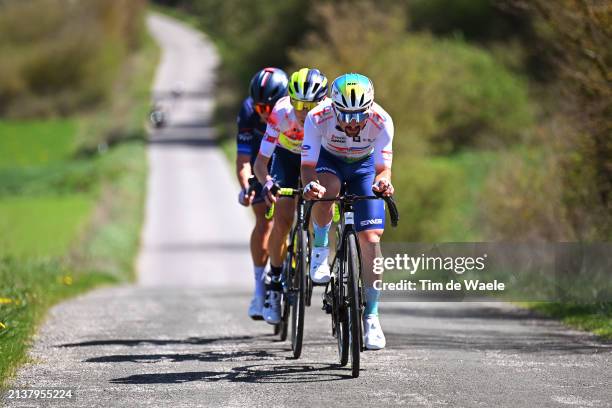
{"x":297,"y":286}
{"x":343,"y":297}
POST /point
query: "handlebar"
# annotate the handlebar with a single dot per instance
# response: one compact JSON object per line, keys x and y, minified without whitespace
{"x":292,"y":192}
{"x":393,"y":212}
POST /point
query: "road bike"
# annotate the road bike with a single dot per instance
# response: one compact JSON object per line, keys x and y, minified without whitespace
{"x":343,"y":297}
{"x":297,"y":286}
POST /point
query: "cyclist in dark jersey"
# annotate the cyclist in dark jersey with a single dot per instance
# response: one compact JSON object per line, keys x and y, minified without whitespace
{"x":267,"y":87}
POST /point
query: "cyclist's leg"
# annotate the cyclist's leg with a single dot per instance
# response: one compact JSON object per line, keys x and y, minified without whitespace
{"x":369,"y":223}
{"x":330,"y":177}
{"x":259,"y":241}
{"x":286,"y":171}
{"x":259,"y":253}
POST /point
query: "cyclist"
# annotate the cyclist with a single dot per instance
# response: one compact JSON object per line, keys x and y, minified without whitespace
{"x":348,"y":139}
{"x":307,"y":87}
{"x":267,"y":86}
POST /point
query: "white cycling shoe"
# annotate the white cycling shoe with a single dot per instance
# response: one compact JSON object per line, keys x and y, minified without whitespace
{"x":319,"y":267}
{"x":256,"y":307}
{"x":271,"y":308}
{"x":374,"y":336}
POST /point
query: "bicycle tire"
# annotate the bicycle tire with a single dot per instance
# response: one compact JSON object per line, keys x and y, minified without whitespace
{"x":354,"y":307}
{"x":298,"y":307}
{"x":339,"y":316}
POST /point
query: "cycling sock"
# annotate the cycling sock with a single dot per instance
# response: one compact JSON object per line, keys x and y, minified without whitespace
{"x":372,"y":296}
{"x":260,"y":286}
{"x":320,"y":235}
{"x":274,"y":282}
{"x":276,"y":270}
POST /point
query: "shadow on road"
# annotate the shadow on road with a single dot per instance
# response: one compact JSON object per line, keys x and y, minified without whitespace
{"x":263,"y":373}
{"x":160,"y":342}
{"x":209,"y":356}
{"x":463,"y":312}
{"x":495,"y":340}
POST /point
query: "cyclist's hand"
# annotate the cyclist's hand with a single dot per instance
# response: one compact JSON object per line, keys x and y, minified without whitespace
{"x":267,"y":192}
{"x":245,"y":197}
{"x":314,"y":190}
{"x":383,"y":186}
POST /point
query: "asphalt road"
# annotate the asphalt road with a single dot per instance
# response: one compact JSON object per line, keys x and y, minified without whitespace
{"x":181,"y":337}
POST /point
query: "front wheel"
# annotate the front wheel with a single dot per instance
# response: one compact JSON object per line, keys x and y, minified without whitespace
{"x":299,"y":285}
{"x":353,"y":295}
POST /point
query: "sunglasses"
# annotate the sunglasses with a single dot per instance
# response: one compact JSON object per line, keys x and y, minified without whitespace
{"x":348,"y":116}
{"x":263,"y":109}
{"x":301,"y":105}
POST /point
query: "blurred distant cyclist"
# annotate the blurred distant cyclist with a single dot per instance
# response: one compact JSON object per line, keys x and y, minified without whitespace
{"x":348,"y":138}
{"x":283,"y":142}
{"x":266,"y":88}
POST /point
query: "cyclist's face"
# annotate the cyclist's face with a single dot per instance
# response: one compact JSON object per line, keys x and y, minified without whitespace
{"x":352,"y":122}
{"x":301,"y":115}
{"x":353,"y":127}
{"x":301,"y":109}
{"x":263,"y":111}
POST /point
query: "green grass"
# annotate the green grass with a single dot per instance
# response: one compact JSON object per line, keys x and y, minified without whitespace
{"x":596,"y":318}
{"x":27,"y":143}
{"x":42,"y":226}
{"x":73,"y":214}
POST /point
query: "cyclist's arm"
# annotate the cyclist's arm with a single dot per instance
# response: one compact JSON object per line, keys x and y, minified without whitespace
{"x":383,"y":152}
{"x":261,"y":168}
{"x":268,"y":144}
{"x":243,"y":169}
{"x":311,"y":147}
{"x":244,"y":140}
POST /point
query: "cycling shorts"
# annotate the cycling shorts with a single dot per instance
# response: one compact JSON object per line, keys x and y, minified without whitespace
{"x":285,"y":168}
{"x":359,"y":176}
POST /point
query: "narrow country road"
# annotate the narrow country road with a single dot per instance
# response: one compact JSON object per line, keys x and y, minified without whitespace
{"x":180,"y":337}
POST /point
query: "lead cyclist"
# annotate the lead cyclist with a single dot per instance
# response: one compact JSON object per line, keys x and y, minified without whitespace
{"x":348,"y":138}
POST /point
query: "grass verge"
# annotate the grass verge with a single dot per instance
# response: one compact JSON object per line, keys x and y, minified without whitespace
{"x":73,"y":213}
{"x":596,"y":318}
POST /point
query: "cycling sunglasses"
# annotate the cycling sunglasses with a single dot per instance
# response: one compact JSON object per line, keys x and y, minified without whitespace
{"x":301,"y":105}
{"x":348,"y":116}
{"x":262,"y":108}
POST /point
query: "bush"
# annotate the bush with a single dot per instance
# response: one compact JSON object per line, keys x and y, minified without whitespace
{"x":443,"y":95}
{"x":63,"y":56}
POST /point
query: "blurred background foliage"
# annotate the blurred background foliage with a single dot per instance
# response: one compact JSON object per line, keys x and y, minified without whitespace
{"x":502,"y":107}
{"x":61,"y":56}
{"x":75,"y":79}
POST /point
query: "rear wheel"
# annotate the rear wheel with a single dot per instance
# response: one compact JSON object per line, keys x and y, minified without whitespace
{"x":353,"y":302}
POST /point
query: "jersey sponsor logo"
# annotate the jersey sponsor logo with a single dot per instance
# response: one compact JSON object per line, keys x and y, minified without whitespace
{"x":338,"y":139}
{"x":270,"y":139}
{"x":306,"y":147}
{"x":245,"y":137}
{"x":321,"y":169}
{"x":371,"y":221}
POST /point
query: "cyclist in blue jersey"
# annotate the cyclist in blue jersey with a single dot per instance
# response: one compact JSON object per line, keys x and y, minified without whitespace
{"x":267,"y":87}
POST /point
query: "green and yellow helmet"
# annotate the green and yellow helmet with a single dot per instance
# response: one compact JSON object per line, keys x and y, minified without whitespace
{"x":352,"y":92}
{"x":307,"y":85}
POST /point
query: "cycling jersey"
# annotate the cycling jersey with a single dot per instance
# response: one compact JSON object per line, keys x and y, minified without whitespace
{"x":250,"y":130}
{"x":283,"y":129}
{"x":321,"y":129}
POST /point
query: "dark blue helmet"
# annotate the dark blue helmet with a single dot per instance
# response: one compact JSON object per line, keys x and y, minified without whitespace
{"x":268,"y":86}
